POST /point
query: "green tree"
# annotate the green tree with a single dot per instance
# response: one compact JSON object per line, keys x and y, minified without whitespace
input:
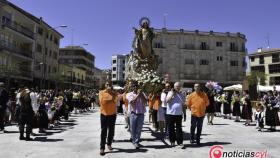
{"x":253,"y":82}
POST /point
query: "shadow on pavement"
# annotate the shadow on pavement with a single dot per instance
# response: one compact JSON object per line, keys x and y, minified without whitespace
{"x":118,"y":150}
{"x":220,"y":124}
{"x":10,"y":132}
{"x":205,"y":144}
{"x":45,"y":139}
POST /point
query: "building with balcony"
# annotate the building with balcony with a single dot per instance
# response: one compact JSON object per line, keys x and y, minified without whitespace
{"x":118,"y":69}
{"x":268,"y":62}
{"x":197,"y":57}
{"x":76,"y":56}
{"x":71,"y":77}
{"x":21,"y":61}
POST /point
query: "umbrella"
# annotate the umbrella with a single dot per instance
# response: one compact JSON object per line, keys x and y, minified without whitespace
{"x":237,"y":87}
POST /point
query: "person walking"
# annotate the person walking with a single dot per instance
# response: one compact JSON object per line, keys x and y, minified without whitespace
{"x":175,"y":104}
{"x":26,"y":115}
{"x":197,"y":102}
{"x":108,"y":109}
{"x":137,"y":101}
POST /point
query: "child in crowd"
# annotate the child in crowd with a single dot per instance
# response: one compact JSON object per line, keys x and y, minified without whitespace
{"x":259,"y":117}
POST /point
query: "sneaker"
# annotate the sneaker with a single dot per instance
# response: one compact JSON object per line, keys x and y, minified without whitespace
{"x":172,"y":144}
{"x":126,"y":127}
{"x":102,"y":152}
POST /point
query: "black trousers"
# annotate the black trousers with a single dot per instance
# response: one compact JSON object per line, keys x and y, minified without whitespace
{"x":107,"y":124}
{"x":196,"y":122}
{"x":2,"y":116}
{"x":154,"y":114}
{"x":25,"y":119}
{"x":175,"y":121}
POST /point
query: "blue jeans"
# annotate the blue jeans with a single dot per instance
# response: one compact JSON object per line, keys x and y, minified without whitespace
{"x":136,"y":124}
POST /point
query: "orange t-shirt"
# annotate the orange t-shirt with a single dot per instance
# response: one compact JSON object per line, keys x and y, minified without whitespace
{"x":198,"y":102}
{"x":154,"y":103}
{"x":108,"y":106}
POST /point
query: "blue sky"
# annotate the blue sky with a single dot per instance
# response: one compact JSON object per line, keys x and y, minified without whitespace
{"x":106,"y":25}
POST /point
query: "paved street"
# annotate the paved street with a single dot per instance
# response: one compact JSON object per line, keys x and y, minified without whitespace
{"x":79,"y":138}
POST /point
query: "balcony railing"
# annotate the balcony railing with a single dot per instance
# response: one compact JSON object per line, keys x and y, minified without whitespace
{"x":12,"y":48}
{"x":19,"y":28}
{"x":14,"y":72}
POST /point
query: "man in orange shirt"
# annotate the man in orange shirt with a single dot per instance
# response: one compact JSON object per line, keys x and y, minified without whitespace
{"x":108,"y":109}
{"x":197,"y":102}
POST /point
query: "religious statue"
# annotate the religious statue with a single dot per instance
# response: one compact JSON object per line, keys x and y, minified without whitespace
{"x":143,"y":48}
{"x":143,"y":63}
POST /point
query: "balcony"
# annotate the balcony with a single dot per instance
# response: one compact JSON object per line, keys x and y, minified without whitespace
{"x":19,"y":28}
{"x":14,"y":72}
{"x":12,"y":48}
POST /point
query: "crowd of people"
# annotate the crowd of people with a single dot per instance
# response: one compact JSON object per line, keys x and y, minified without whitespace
{"x":167,"y":111}
{"x":30,"y":108}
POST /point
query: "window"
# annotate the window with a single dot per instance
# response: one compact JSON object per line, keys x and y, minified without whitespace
{"x":204,"y":62}
{"x":204,"y":46}
{"x":219,"y":44}
{"x":160,"y":60}
{"x":114,"y":68}
{"x":51,"y":37}
{"x":123,"y":61}
{"x":219,"y":58}
{"x":252,"y":59}
{"x":243,"y":49}
{"x":55,"y":55}
{"x":233,"y":63}
{"x":40,"y":31}
{"x":244,"y":63}
{"x":54,"y":69}
{"x":49,"y":69}
{"x":258,"y":68}
{"x":50,"y":54}
{"x":39,"y":48}
{"x":275,"y":58}
{"x":233,"y":47}
{"x":274,"y":80}
{"x":114,"y":75}
{"x":47,"y":35}
{"x":158,"y":45}
{"x":189,"y":46}
{"x":114,"y":61}
{"x":46,"y":51}
{"x":6,"y":20}
{"x":274,"y":68}
{"x":123,"y":76}
{"x":56,"y":41}
{"x":261,"y":60}
{"x":123,"y":68}
{"x":189,"y":61}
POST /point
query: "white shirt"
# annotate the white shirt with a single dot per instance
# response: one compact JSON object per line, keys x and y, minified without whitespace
{"x":34,"y":101}
{"x":18,"y":99}
{"x":163,"y":97}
